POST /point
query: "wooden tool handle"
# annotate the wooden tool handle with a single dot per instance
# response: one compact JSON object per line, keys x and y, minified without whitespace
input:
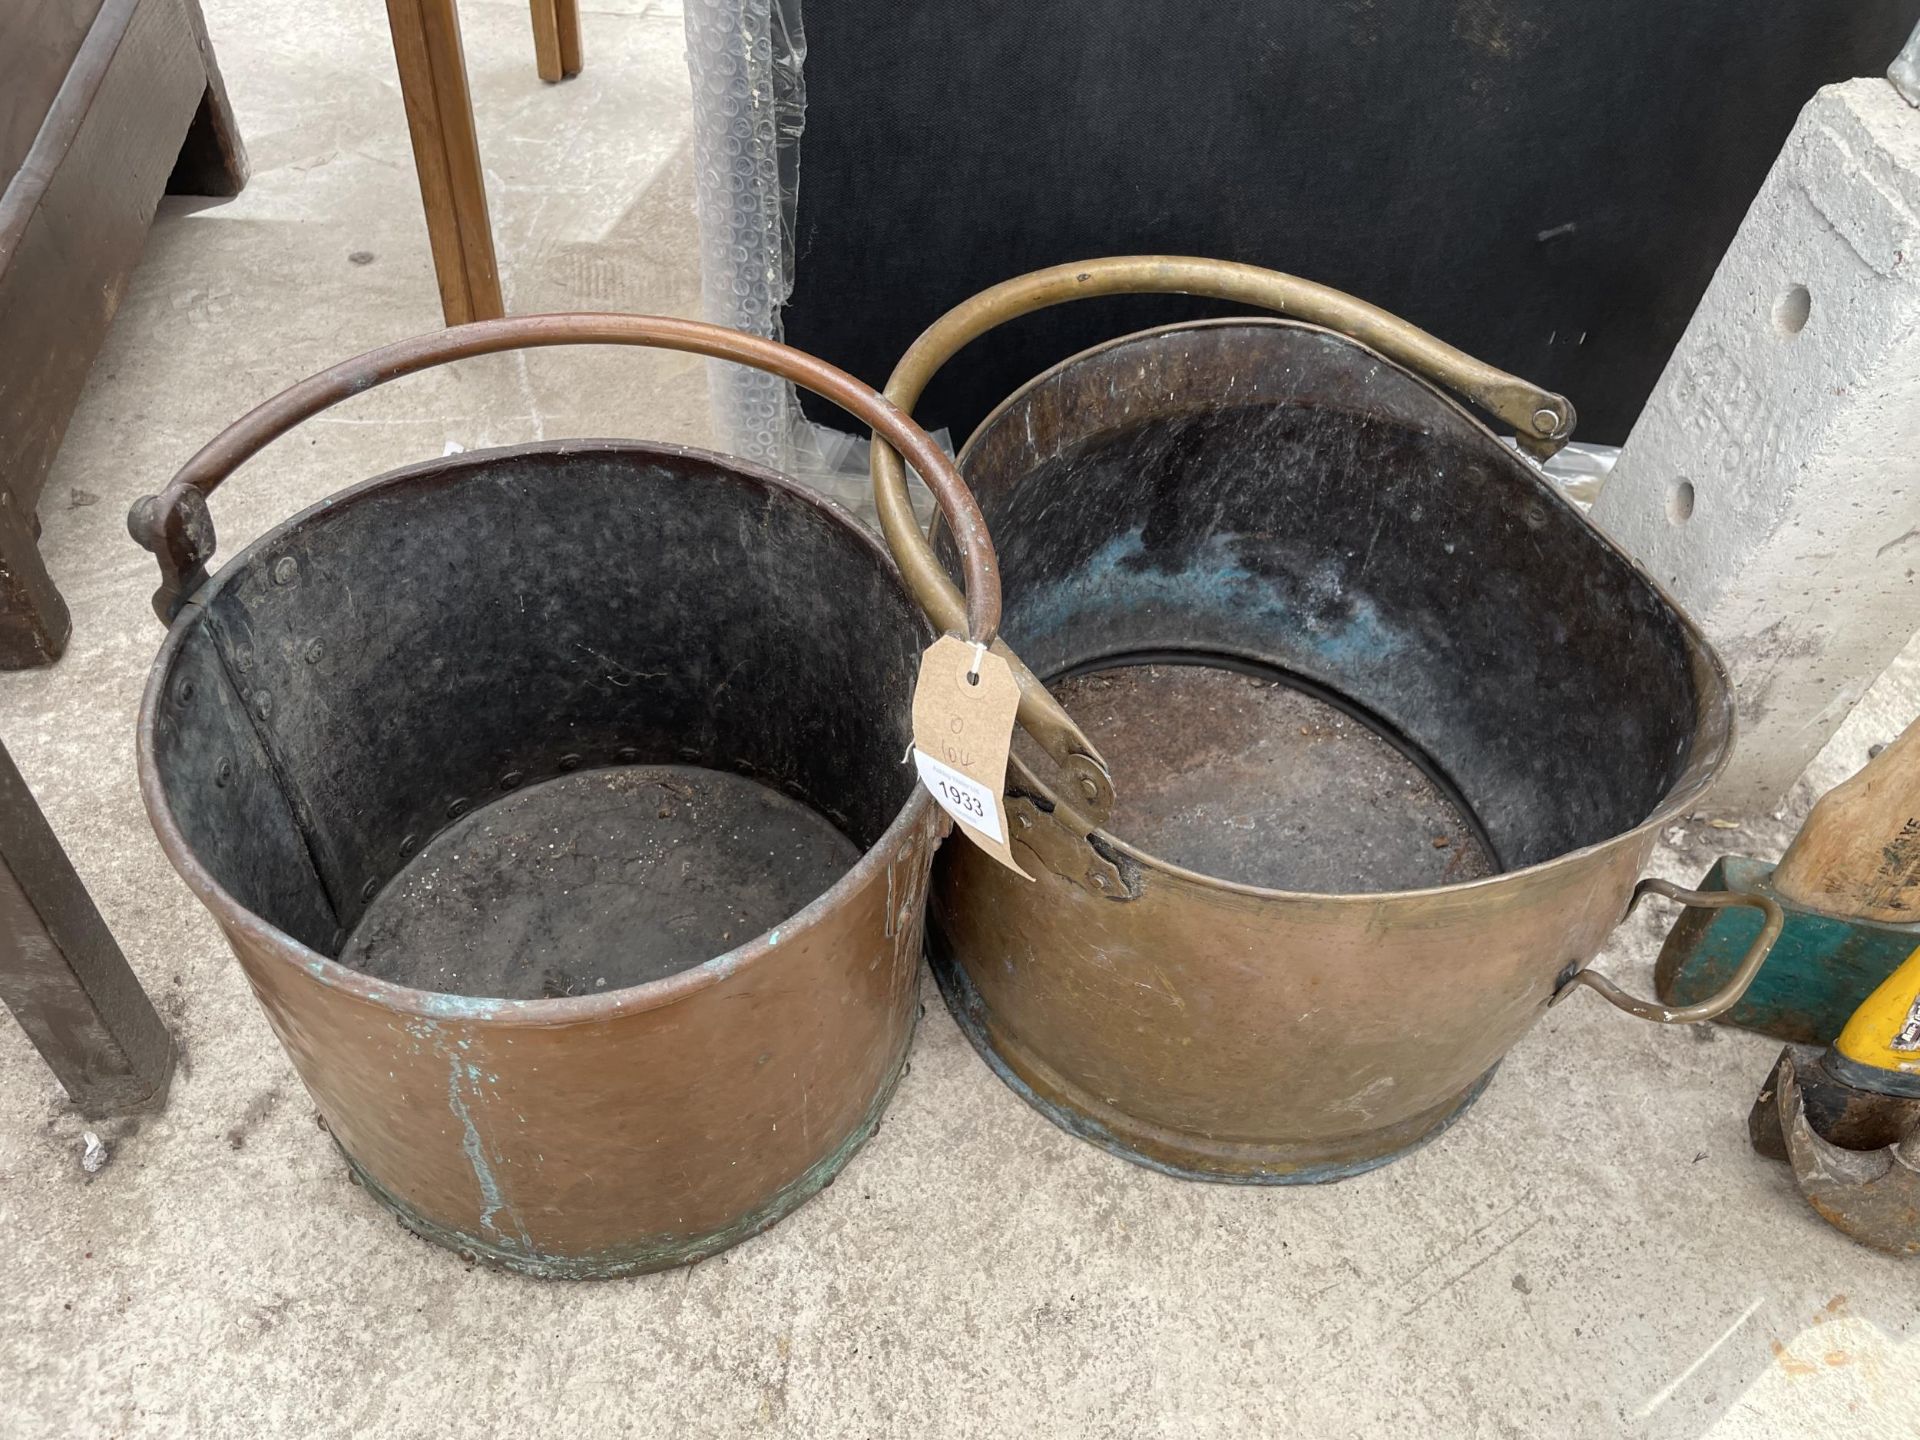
{"x":1858,"y":855}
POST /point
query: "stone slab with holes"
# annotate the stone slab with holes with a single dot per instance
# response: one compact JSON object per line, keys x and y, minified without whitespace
{"x":1773,"y":481}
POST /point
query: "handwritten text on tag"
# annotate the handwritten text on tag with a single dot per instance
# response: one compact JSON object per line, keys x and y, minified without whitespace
{"x":963,"y":709}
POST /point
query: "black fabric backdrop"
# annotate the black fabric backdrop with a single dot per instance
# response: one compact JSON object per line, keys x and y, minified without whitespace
{"x":1546,"y":183}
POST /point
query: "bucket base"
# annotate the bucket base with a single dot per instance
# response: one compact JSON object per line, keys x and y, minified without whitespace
{"x":1250,"y":774}
{"x":644,"y":1256}
{"x":1183,"y":1156}
{"x":595,"y":881}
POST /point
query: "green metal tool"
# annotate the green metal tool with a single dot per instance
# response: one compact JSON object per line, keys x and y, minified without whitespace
{"x":1850,"y":887}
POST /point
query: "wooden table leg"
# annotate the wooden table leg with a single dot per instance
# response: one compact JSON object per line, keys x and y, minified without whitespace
{"x":446,"y":152}
{"x":556,"y":38}
{"x":34,"y":620}
{"x":212,"y":159}
{"x":62,"y":975}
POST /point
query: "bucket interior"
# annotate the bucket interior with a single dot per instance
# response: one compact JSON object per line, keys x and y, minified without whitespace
{"x":1330,"y":634}
{"x":546,"y":721}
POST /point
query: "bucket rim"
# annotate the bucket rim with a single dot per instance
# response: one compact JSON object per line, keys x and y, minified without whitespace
{"x":235,"y":917}
{"x":1715,"y":721}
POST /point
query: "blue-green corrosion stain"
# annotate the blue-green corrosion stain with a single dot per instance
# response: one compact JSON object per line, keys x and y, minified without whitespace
{"x":648,"y":1252}
{"x":436,"y":1006}
{"x":1337,"y":627}
{"x":469,"y":1009}
{"x":466,"y":1007}
{"x":492,"y":1196}
{"x":464,"y":1081}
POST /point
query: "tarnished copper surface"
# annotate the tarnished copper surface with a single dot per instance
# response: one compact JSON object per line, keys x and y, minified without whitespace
{"x":1223,"y":1030}
{"x":1543,"y":421}
{"x":601,"y":1131}
{"x":1228,"y":1033}
{"x":617,"y":1133}
{"x":1238,"y":775}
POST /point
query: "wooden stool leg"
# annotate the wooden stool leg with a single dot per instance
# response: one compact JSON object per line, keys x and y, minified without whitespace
{"x":62,"y":975}
{"x":546,"y":40}
{"x":570,"y":53}
{"x":556,"y":38}
{"x":446,"y":152}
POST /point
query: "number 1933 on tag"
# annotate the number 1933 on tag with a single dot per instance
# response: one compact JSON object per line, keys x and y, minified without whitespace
{"x":968,"y":801}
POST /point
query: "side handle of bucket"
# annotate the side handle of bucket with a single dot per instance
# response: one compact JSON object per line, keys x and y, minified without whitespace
{"x":177,"y":526}
{"x":1723,"y":999}
{"x":1542,"y":422}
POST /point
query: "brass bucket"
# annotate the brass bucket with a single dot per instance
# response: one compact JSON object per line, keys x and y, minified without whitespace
{"x":1393,"y":728}
{"x":551,"y":798}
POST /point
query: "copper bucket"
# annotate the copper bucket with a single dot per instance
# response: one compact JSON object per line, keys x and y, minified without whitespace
{"x":551,"y":798}
{"x":1392,"y":728}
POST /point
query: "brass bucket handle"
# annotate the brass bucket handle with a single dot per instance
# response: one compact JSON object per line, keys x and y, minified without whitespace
{"x":1542,"y":422}
{"x":178,"y":528}
{"x":1723,"y":999}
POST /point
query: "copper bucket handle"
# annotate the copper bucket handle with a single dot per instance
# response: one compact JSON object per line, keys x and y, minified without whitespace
{"x":178,"y":528}
{"x":1723,"y":999}
{"x":1541,"y":419}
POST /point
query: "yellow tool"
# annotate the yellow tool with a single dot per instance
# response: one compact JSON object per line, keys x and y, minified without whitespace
{"x":1880,"y":1048}
{"x":1848,"y":1119}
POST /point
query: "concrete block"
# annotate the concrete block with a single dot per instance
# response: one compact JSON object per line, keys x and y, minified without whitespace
{"x":1773,"y":481}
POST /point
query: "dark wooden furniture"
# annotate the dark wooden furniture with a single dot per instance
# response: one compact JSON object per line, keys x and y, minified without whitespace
{"x":446,"y":148}
{"x":104,"y":105}
{"x":62,"y":975}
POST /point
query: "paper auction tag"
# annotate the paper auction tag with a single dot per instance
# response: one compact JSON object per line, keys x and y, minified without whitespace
{"x":963,"y":709}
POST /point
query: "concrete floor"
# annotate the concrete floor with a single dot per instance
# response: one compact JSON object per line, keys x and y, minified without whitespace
{"x":1593,"y":1251}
